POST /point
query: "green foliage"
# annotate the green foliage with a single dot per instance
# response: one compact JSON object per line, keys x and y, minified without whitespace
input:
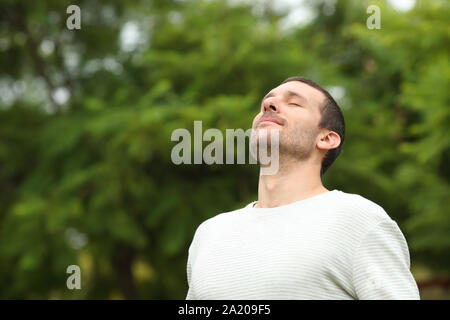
{"x":90,"y":181}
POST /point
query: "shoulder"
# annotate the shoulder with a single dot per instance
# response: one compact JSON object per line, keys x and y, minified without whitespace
{"x":211,"y":228}
{"x":355,"y":203}
{"x":359,"y":211}
{"x":218,"y":222}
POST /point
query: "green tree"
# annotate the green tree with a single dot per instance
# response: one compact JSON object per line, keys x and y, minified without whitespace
{"x":86,"y":118}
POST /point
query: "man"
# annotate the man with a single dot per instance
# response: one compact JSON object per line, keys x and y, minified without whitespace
{"x":300,"y":240}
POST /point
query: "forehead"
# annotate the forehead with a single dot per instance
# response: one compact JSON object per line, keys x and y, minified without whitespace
{"x":313,"y":96}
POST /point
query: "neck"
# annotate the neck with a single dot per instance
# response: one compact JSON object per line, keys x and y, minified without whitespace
{"x":294,"y":181}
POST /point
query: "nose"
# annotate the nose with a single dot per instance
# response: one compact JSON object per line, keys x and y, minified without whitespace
{"x":270,"y":105}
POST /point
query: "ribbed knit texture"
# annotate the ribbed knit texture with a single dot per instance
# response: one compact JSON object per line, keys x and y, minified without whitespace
{"x":334,"y":245}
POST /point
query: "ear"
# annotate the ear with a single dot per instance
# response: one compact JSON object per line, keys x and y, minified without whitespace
{"x":328,"y":140}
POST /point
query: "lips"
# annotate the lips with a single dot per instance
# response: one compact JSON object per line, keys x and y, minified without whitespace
{"x":270,"y":120}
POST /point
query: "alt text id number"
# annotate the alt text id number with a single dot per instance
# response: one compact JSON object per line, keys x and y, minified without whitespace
{"x":246,"y":309}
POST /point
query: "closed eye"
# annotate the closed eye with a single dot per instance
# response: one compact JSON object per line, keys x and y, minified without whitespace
{"x":295,"y":104}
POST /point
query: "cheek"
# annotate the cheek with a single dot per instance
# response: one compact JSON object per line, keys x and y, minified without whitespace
{"x":306,"y":119}
{"x":303,"y":124}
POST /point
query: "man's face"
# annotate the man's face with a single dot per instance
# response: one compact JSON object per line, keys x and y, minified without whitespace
{"x":293,"y":108}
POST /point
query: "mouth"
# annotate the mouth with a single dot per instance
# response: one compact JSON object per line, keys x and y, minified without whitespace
{"x":268,"y":121}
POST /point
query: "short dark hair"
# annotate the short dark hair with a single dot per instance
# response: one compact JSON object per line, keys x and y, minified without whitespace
{"x":332,"y":119}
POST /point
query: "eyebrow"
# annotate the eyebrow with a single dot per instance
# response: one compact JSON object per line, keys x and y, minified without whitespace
{"x":289,"y":93}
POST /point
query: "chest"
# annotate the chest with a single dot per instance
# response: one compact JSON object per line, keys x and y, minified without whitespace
{"x":276,"y":258}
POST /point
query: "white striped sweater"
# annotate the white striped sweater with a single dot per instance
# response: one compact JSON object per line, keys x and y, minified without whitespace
{"x":334,"y":245}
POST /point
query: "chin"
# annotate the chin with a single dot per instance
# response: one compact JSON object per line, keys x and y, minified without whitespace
{"x":267,"y":134}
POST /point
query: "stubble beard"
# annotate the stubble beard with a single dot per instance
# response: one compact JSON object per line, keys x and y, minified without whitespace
{"x":294,"y":145}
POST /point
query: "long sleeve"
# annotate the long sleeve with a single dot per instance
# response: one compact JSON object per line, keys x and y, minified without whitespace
{"x":192,"y":252}
{"x":190,"y":295}
{"x":381,"y":265}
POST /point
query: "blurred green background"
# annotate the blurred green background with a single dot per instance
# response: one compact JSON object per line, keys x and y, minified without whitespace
{"x":86,"y":118}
